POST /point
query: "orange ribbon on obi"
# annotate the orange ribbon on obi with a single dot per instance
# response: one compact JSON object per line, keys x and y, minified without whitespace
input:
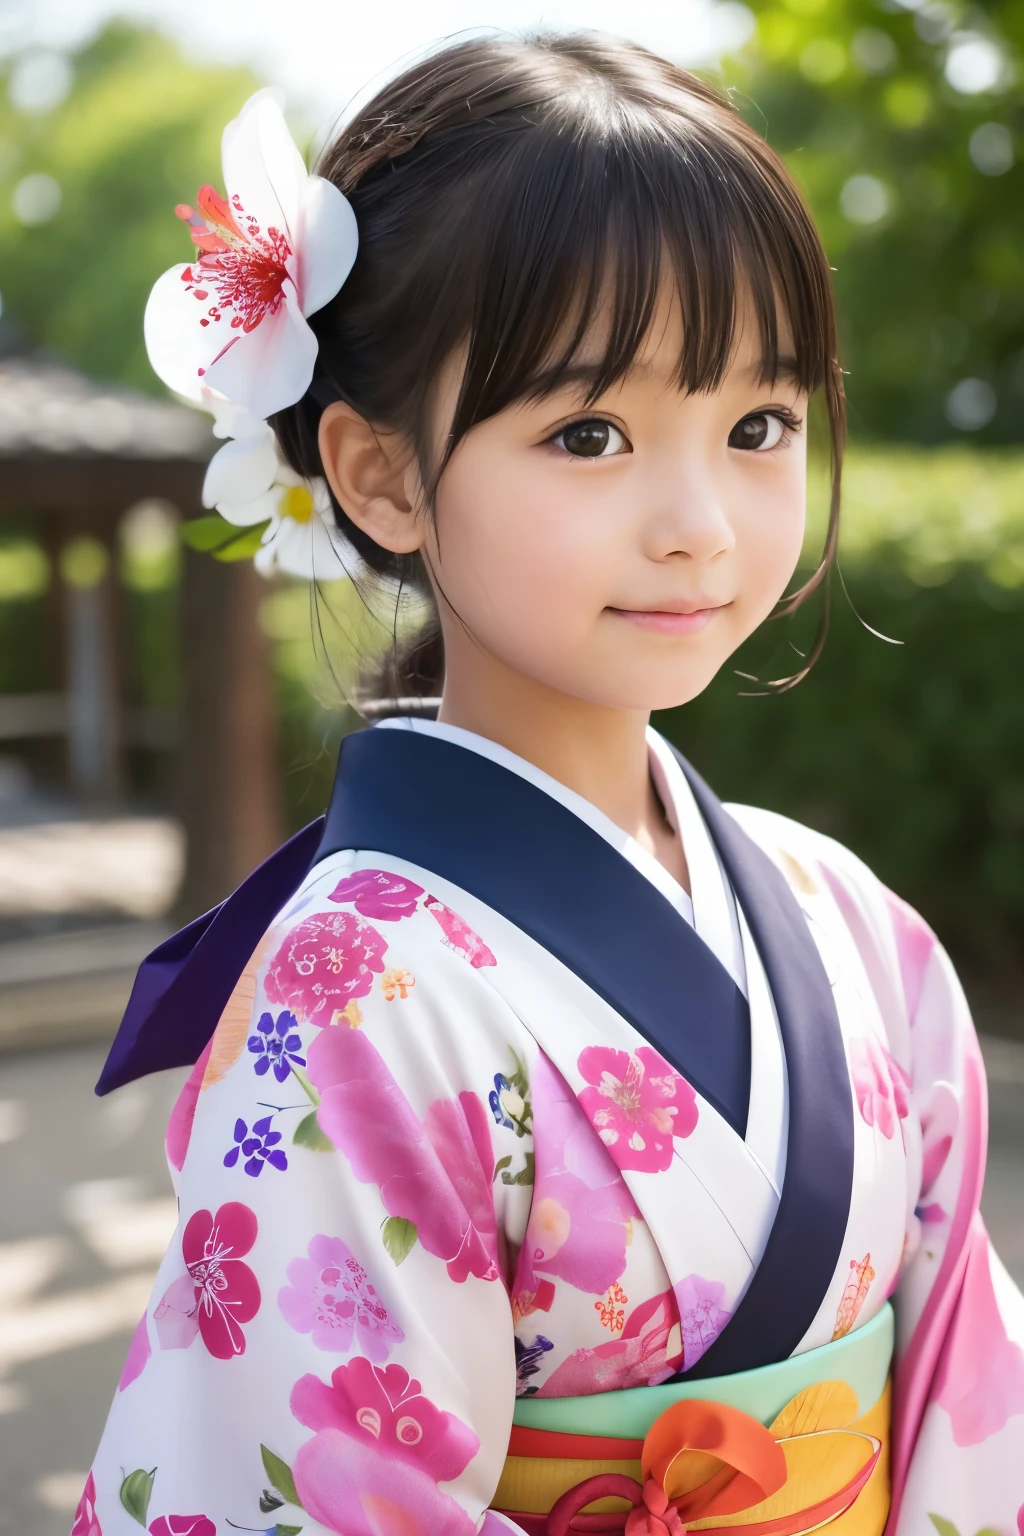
{"x":755,"y":1468}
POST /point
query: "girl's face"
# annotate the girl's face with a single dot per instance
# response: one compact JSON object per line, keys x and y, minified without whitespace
{"x":622,"y":551}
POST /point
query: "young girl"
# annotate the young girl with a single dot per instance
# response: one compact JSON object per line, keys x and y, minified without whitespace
{"x":563,"y":1152}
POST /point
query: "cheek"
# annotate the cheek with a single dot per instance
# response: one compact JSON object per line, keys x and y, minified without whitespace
{"x":769,"y":534}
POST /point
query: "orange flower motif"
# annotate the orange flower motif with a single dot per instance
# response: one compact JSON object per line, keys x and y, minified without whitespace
{"x":397,"y":984}
{"x":611,"y":1309}
{"x":351,"y":1015}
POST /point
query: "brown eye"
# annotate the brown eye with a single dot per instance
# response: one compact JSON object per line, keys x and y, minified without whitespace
{"x":758,"y":432}
{"x":591,"y":439}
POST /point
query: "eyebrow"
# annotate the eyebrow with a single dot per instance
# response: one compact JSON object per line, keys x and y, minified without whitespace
{"x":787,"y":370}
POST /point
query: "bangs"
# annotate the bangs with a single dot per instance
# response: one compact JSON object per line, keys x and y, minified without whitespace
{"x":577,"y":236}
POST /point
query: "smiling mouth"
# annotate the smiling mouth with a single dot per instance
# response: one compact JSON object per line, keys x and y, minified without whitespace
{"x":670,"y":621}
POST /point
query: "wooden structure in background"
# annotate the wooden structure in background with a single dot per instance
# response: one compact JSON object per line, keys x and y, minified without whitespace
{"x":75,"y":456}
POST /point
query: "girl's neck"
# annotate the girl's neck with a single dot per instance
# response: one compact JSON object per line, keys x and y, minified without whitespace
{"x":598,"y":752}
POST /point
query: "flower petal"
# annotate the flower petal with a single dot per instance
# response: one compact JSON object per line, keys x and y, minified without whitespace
{"x":177,"y":344}
{"x":269,"y":367}
{"x":327,"y":243}
{"x":241,"y":471}
{"x":243,"y":514}
{"x":263,"y":167}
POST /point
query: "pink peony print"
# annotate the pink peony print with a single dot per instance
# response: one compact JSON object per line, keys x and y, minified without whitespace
{"x":183,"y":1525}
{"x":636,"y":1105}
{"x":376,"y":893}
{"x":881,"y":1085}
{"x":383,"y":1407}
{"x":915,"y":945}
{"x":327,"y":959}
{"x":86,"y":1523}
{"x":458,"y":934}
{"x":347,"y":1486}
{"x":139,"y":1351}
{"x":701,"y":1315}
{"x":435,"y":1173}
{"x":580,"y":1217}
{"x":980,"y":1376}
{"x":647,"y":1352}
{"x":218,"y":1293}
{"x":330,"y":1296}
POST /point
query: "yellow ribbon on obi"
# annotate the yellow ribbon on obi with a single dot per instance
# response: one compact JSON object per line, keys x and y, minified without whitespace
{"x":708,"y":1465}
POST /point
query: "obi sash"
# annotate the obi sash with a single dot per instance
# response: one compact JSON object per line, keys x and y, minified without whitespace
{"x":775,"y":1451}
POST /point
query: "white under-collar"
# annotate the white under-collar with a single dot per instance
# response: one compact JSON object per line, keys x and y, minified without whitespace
{"x":711,"y":910}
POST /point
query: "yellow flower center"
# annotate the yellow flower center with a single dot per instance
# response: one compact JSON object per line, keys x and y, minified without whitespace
{"x":297,"y":503}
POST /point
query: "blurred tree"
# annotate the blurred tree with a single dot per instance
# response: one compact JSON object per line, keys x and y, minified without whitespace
{"x":904,"y":124}
{"x":88,"y":186}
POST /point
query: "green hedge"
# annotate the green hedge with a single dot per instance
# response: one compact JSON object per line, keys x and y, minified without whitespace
{"x":911,"y":754}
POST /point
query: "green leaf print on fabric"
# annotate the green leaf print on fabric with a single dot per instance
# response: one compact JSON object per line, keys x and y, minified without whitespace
{"x":947,"y":1528}
{"x":525,"y":1174}
{"x":280,"y":1474}
{"x":136,"y":1492}
{"x":287,"y":1530}
{"x":308,"y":1134}
{"x":399,"y":1237}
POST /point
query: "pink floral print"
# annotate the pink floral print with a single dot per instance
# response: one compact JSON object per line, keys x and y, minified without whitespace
{"x":379,"y":1450}
{"x":379,"y":894}
{"x":881,"y":1085}
{"x":218,"y":1293}
{"x":324,"y":961}
{"x":435,"y":1173}
{"x":648,"y":1351}
{"x":329,"y":1295}
{"x":579,"y":1221}
{"x":458,"y":934}
{"x":980,"y":1379}
{"x":701,"y":1315}
{"x":636,"y":1104}
{"x":86,"y":1522}
{"x":139,"y":1351}
{"x":183,"y":1525}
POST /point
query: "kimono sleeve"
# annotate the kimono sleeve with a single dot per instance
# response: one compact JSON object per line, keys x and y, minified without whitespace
{"x":329,"y":1345}
{"x":959,"y":1400}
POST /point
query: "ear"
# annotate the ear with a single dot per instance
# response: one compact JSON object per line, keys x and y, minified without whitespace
{"x":374,"y":477}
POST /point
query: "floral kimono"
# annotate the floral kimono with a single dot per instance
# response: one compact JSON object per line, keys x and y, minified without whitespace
{"x":496,"y":1140}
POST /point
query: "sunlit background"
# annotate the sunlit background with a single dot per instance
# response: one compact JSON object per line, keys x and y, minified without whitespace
{"x":166,"y":719}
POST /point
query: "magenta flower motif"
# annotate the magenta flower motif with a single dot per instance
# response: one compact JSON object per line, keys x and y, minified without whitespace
{"x":459,"y":935}
{"x":636,"y":1104}
{"x":379,"y":1452}
{"x":377,"y":893}
{"x":701,"y":1315}
{"x":218,"y":1293}
{"x":383,"y":1407}
{"x":139,"y":1351}
{"x":640,"y":1357}
{"x":86,"y":1523}
{"x":183,"y":1525}
{"x":881,"y":1085}
{"x":579,"y":1218}
{"x":980,"y":1375}
{"x":435,"y":1173}
{"x":329,"y":958}
{"x":330,"y":1296}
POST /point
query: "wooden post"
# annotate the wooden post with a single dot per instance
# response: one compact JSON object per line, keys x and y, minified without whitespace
{"x":230,"y":794}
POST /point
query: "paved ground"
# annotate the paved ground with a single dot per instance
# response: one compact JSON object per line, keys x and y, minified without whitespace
{"x":85,"y":1214}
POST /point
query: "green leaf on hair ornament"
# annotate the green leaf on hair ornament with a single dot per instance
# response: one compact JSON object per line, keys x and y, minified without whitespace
{"x":136,"y":1492}
{"x":214,"y":535}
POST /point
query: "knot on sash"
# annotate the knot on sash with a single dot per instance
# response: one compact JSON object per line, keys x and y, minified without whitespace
{"x":729,"y":1463}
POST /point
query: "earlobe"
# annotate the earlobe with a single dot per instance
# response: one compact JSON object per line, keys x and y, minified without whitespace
{"x":373,"y":477}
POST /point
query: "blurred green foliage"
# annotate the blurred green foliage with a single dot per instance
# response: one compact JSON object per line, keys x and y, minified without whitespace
{"x":904,"y":124}
{"x":138,"y":133}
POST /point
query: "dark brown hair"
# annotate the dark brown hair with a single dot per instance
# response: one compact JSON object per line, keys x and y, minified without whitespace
{"x":507,"y":192}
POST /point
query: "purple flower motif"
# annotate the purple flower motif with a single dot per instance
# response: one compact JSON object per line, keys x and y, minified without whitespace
{"x":276,"y":1045}
{"x":528,"y":1362}
{"x":257,"y":1148}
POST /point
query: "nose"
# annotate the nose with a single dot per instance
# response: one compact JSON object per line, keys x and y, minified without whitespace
{"x":688,"y":515}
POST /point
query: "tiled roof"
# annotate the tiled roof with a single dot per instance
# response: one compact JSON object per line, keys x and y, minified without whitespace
{"x":47,"y":408}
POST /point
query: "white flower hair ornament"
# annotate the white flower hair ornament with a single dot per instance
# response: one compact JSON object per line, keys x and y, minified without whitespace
{"x":229,"y":332}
